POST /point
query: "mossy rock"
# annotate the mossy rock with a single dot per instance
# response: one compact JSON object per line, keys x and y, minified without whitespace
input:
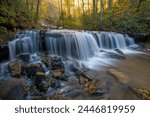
{"x":145,"y":94}
{"x":15,"y":68}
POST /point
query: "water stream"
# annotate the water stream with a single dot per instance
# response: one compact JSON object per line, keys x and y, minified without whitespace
{"x":91,"y":50}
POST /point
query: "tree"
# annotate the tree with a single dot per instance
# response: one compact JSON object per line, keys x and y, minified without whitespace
{"x":37,"y":11}
{"x":109,"y":4}
{"x":83,"y":7}
{"x":101,"y":9}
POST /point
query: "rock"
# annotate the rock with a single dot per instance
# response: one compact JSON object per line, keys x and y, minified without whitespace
{"x":32,"y":90}
{"x":56,"y":63}
{"x":119,"y":51}
{"x":143,"y":93}
{"x":102,"y":51}
{"x":25,"y":57}
{"x":121,"y":77}
{"x":12,"y":88}
{"x":46,"y":60}
{"x":41,"y":82}
{"x":40,"y":76}
{"x":43,"y":86}
{"x":53,"y":83}
{"x":58,"y":74}
{"x":31,"y":69}
{"x":91,"y":87}
{"x":15,"y":68}
{"x":114,"y":55}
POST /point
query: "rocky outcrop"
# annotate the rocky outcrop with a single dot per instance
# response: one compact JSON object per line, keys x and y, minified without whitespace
{"x":57,"y":68}
{"x":25,"y":57}
{"x":41,"y":82}
{"x":46,"y":59}
{"x":30,"y":70}
{"x":15,"y":68}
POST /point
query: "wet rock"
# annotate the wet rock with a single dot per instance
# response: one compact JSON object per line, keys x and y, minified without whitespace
{"x":121,"y":77}
{"x":40,"y":76}
{"x":25,"y":57}
{"x":12,"y":88}
{"x":91,"y":87}
{"x":46,"y":60}
{"x":53,"y":83}
{"x":43,"y":86}
{"x":142,"y":94}
{"x":114,"y":55}
{"x":41,"y":82}
{"x":31,"y":69}
{"x":32,"y":90}
{"x":102,"y":51}
{"x":58,"y":74}
{"x":56,"y":63}
{"x":119,"y":51}
{"x":15,"y":68}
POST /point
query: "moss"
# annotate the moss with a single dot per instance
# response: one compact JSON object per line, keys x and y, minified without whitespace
{"x":144,"y":93}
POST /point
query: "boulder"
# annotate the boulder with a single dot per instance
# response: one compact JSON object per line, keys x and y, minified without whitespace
{"x":12,"y":88}
{"x":40,"y":76}
{"x":25,"y":57}
{"x":31,"y":69}
{"x":56,"y":63}
{"x":58,"y":74}
{"x":41,"y":82}
{"x":15,"y":68}
{"x":46,"y":60}
{"x":114,"y":55}
{"x":119,"y":51}
{"x":43,"y":86}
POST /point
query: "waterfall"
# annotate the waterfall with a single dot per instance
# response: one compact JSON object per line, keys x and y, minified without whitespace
{"x":79,"y":45}
{"x":111,"y":40}
{"x":26,"y":42}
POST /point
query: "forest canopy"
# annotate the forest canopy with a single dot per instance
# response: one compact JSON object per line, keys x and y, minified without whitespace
{"x":110,"y":15}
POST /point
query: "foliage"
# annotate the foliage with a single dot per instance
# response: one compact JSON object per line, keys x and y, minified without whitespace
{"x":111,"y":15}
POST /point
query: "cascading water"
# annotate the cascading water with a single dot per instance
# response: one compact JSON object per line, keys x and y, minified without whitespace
{"x":111,"y":40}
{"x":68,"y":43}
{"x":80,"y":45}
{"x":26,"y":42}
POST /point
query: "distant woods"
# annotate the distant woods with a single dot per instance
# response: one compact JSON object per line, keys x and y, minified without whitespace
{"x":111,"y":15}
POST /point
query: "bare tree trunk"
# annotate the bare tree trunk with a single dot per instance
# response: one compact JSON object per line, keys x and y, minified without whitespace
{"x":109,"y":4}
{"x":62,"y":16}
{"x":94,"y":11}
{"x":88,"y":6}
{"x":83,"y":7}
{"x":101,"y":9}
{"x":79,"y":7}
{"x":37,"y":11}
